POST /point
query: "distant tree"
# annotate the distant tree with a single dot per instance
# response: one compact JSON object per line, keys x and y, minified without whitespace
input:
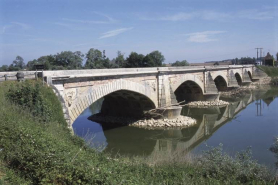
{"x":69,"y":59}
{"x":181,"y":63}
{"x":153,"y":59}
{"x":277,"y":56}
{"x":134,"y":60}
{"x":95,"y":59}
{"x":216,"y":64}
{"x":18,"y":64}
{"x":31,"y":64}
{"x":4,"y":68}
{"x":120,"y":60}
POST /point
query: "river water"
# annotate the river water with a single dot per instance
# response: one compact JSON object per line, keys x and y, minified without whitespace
{"x":249,"y":121}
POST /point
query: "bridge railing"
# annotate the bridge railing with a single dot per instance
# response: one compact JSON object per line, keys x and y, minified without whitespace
{"x":103,"y":72}
{"x":18,"y":75}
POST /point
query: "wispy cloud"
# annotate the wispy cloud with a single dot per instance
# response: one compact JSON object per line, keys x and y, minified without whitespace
{"x":107,"y":20}
{"x":256,"y":14}
{"x":69,"y":26}
{"x":49,"y":40}
{"x":85,"y":21}
{"x":14,"y":24}
{"x":22,"y":25}
{"x":113,"y":33}
{"x":262,"y":14}
{"x":202,"y":37}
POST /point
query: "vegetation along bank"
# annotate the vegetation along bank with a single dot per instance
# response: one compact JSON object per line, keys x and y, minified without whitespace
{"x":36,"y":147}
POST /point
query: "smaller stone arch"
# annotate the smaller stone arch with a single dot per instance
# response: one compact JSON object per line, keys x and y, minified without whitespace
{"x":221,"y":83}
{"x":188,"y":77}
{"x":189,"y":91}
{"x":238,"y":78}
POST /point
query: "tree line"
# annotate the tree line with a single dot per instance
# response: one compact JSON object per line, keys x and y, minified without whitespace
{"x":94,"y":59}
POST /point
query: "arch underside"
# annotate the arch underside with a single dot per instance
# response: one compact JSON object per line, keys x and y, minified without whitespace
{"x":189,"y":91}
{"x":117,"y":94}
{"x":126,"y":103}
{"x":238,"y":78}
{"x":220,"y":83}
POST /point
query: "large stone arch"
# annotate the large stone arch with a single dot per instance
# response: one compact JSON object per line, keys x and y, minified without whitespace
{"x":78,"y":99}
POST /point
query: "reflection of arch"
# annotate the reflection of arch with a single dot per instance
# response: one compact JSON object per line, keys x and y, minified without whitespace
{"x":221,"y":83}
{"x":238,"y":78}
{"x":189,"y":91}
{"x":92,"y":94}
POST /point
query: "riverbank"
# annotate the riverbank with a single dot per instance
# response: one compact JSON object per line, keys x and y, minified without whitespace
{"x":40,"y":150}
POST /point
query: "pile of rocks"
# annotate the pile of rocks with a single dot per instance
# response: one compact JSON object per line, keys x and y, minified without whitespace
{"x":181,"y":121}
{"x":238,"y":92}
{"x":207,"y":103}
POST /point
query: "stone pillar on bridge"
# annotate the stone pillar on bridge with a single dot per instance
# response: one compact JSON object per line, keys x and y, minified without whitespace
{"x":210,"y":86}
{"x":164,"y":92}
{"x":232,"y":82}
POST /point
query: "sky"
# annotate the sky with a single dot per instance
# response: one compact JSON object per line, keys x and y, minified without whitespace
{"x":192,"y":30}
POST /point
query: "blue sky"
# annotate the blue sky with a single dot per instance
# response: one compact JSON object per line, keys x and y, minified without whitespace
{"x":193,"y":30}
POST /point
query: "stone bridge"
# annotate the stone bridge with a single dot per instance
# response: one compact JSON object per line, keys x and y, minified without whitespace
{"x":131,"y":91}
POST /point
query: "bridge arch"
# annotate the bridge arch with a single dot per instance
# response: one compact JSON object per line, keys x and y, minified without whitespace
{"x":238,"y":78}
{"x":77,"y":102}
{"x":189,"y":91}
{"x":221,"y":83}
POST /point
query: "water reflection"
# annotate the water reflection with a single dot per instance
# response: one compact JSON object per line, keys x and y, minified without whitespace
{"x":244,"y":129}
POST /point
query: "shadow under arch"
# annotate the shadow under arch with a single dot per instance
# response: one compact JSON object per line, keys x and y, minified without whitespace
{"x":250,"y":75}
{"x":189,"y":91}
{"x":220,"y":83}
{"x":238,"y":79}
{"x":126,"y":103}
{"x":126,"y":91}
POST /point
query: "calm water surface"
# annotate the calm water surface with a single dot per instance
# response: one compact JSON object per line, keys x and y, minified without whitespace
{"x":250,"y":121}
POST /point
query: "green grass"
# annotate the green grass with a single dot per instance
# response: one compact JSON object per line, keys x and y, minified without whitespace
{"x":43,"y":151}
{"x":270,"y":71}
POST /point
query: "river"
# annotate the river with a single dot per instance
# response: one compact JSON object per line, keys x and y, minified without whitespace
{"x":249,"y":121}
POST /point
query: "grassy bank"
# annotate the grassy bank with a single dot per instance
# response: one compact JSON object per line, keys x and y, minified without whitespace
{"x":270,"y":71}
{"x":37,"y":148}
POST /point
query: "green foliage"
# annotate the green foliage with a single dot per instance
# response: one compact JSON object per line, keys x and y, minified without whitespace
{"x":39,"y":99}
{"x":134,"y":60}
{"x":269,"y":70}
{"x":96,"y":60}
{"x":181,"y":63}
{"x":153,"y":59}
{"x":242,"y":167}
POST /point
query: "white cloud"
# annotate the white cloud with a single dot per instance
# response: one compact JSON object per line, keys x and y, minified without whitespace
{"x":202,"y":37}
{"x":256,"y":14}
{"x":263,"y":14}
{"x":179,"y":17}
{"x":113,"y":33}
{"x":22,"y":25}
{"x":107,"y":21}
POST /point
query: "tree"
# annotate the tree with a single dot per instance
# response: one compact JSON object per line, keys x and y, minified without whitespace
{"x":277,"y":56}
{"x":31,"y":64}
{"x":96,"y":60}
{"x":134,"y":60}
{"x":4,"y":68}
{"x":156,"y":59}
{"x":120,"y":60}
{"x":181,"y":63}
{"x":17,"y":64}
{"x":69,"y":59}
